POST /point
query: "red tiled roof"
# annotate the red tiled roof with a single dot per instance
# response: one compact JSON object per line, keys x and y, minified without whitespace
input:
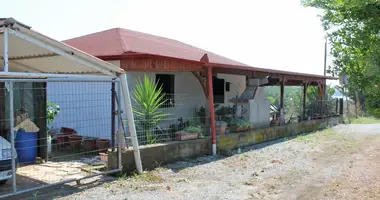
{"x":120,"y":41}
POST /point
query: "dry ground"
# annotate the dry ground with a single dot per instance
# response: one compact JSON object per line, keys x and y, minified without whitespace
{"x":338,"y":163}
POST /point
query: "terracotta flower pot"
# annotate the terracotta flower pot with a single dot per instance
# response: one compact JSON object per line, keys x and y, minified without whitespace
{"x":241,"y":129}
{"x":182,"y":135}
{"x":103,"y":144}
{"x":75,"y":141}
{"x":89,"y":143}
{"x":220,"y":130}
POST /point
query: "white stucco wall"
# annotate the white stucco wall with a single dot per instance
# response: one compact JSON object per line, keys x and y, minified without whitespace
{"x":258,"y":109}
{"x":237,"y":86}
{"x":188,"y":92}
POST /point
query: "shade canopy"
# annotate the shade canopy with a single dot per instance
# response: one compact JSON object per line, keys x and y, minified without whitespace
{"x":30,"y":51}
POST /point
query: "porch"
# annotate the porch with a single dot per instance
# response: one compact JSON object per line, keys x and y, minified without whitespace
{"x":216,"y":99}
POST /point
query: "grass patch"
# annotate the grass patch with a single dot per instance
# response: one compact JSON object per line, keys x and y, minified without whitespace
{"x":122,"y":177}
{"x":150,"y":177}
{"x":315,"y":136}
{"x":365,"y":120}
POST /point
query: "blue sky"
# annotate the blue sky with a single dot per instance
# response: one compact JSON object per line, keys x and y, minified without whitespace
{"x":277,"y":34}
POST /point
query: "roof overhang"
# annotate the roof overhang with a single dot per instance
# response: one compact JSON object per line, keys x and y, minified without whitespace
{"x":147,"y":62}
{"x":34,"y":53}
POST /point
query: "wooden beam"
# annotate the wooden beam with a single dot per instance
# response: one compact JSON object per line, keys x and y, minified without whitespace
{"x":282,"y":93}
{"x":159,"y":65}
{"x":200,"y":80}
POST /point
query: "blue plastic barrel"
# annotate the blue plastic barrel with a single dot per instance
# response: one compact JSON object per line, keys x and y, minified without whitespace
{"x":26,"y":146}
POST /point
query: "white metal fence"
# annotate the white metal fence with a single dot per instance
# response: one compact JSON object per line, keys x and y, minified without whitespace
{"x":62,"y":131}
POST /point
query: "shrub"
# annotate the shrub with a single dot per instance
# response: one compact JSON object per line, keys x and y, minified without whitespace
{"x":240,"y":123}
{"x":193,"y":129}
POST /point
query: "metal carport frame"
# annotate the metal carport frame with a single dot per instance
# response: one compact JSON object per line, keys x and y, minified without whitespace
{"x":30,"y":55}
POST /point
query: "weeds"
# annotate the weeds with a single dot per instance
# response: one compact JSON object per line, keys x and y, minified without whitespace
{"x":318,"y":136}
{"x":122,"y":177}
{"x":149,"y":177}
{"x":365,"y":120}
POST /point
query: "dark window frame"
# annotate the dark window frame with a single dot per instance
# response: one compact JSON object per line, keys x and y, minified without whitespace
{"x":218,"y":85}
{"x":167,"y":82}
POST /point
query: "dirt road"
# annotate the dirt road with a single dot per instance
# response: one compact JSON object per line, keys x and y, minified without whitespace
{"x":338,"y":163}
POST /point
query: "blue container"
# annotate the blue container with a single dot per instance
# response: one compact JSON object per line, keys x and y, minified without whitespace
{"x":26,"y":146}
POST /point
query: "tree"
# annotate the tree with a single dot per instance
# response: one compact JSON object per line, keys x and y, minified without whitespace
{"x":293,"y":99}
{"x":352,"y":27}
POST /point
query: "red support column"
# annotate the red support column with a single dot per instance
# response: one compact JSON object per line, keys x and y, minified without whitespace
{"x":282,"y":91}
{"x":212,"y":112}
{"x":322,"y":98}
{"x":304,"y":100}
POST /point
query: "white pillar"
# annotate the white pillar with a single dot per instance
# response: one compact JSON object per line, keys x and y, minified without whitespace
{"x":131,"y":121}
{"x":11,"y":127}
{"x":6,"y":50}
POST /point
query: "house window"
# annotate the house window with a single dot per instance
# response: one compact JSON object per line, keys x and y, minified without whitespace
{"x":218,"y":88}
{"x":166,"y":82}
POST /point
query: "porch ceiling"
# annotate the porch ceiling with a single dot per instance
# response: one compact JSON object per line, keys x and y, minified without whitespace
{"x":289,"y":78}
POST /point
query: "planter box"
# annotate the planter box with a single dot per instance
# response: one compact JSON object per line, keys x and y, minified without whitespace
{"x":239,"y":129}
{"x":62,"y":141}
{"x":103,"y":144}
{"x":89,"y":143}
{"x":75,"y":141}
{"x":182,"y":135}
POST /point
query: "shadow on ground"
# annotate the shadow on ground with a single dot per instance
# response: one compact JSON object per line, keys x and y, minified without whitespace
{"x":56,"y":191}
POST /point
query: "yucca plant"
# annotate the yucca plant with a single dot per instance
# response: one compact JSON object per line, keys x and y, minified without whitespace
{"x":148,"y":98}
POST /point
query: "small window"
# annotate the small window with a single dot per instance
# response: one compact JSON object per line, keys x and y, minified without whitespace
{"x":228,"y":86}
{"x":166,"y":81}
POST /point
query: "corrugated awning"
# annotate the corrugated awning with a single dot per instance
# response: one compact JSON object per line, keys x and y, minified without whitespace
{"x":30,"y":51}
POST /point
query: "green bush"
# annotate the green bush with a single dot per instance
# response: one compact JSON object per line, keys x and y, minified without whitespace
{"x":375,"y":112}
{"x":240,"y":123}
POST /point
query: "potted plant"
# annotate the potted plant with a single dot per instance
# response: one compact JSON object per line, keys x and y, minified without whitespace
{"x":240,"y":125}
{"x":220,"y":127}
{"x":188,"y":133}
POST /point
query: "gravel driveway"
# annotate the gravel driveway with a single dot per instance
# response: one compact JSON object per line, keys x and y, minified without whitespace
{"x":338,"y":163}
